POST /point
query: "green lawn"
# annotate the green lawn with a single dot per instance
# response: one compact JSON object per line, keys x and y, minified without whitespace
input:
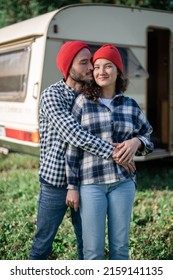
{"x":151,"y":234}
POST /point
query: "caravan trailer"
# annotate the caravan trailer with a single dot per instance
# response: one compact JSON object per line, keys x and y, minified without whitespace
{"x":28,"y":65}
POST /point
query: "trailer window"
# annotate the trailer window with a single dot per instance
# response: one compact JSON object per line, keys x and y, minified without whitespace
{"x":13,"y":74}
{"x":132,"y":66}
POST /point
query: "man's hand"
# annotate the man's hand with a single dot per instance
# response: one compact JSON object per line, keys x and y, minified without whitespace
{"x":72,"y":199}
{"x":129,"y":167}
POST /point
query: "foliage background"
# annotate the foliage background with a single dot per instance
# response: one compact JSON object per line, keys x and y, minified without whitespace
{"x":12,"y":11}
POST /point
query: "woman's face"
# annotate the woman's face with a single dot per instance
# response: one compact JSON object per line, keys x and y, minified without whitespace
{"x":105,"y":73}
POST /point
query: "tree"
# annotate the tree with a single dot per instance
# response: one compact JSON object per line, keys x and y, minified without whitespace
{"x":12,"y":11}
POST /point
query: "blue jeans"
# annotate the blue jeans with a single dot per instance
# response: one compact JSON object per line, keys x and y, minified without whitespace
{"x":51,"y":210}
{"x":111,"y":201}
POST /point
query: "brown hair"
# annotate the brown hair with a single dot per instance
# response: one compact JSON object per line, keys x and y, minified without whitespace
{"x":92,"y":91}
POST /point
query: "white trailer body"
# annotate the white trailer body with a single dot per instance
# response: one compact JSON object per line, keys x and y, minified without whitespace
{"x":28,"y":65}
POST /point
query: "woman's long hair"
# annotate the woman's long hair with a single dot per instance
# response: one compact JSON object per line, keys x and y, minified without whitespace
{"x":93,"y":91}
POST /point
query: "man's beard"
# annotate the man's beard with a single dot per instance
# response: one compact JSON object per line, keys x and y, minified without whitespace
{"x":77,"y":77}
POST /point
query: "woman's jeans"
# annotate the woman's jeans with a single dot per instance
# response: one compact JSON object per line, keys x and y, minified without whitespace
{"x":114,"y":201}
{"x":51,"y":210}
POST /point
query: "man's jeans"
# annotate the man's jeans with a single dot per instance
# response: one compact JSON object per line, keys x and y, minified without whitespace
{"x":51,"y":210}
{"x":114,"y":201}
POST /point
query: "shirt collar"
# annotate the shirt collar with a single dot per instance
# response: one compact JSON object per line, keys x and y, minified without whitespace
{"x":67,"y":90}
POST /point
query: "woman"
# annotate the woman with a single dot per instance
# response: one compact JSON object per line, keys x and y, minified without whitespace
{"x":107,"y":190}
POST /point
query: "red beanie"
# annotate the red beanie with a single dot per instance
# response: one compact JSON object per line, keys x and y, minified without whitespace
{"x":111,"y":53}
{"x":66,"y":55}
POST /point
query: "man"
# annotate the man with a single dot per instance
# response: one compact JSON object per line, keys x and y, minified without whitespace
{"x":57,"y":129}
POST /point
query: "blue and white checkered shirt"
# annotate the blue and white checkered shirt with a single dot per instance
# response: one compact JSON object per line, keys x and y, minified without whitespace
{"x":121,"y":121}
{"x":58,"y":128}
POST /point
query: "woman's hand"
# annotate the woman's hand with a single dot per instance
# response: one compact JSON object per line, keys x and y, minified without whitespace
{"x":125,"y":151}
{"x":72,"y":199}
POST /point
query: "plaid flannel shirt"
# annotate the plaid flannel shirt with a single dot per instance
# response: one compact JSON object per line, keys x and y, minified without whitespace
{"x":57,"y":128}
{"x":123,"y":120}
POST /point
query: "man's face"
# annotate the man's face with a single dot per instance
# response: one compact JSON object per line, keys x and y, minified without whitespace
{"x":81,"y":69}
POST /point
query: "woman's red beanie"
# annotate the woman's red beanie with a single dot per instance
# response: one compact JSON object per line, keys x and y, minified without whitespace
{"x":66,"y":55}
{"x":111,"y":53}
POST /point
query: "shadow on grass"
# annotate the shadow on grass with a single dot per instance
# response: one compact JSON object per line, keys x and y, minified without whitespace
{"x":155,"y":174}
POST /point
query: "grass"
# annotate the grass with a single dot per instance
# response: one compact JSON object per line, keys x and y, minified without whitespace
{"x":151,"y":234}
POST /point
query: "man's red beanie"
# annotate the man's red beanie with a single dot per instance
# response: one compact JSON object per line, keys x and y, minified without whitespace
{"x":111,"y":53}
{"x":66,"y":55}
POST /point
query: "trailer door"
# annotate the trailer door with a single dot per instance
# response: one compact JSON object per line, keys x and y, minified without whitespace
{"x":171,"y":100}
{"x":158,"y":90}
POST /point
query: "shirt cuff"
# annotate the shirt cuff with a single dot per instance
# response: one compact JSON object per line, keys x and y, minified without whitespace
{"x":72,"y":187}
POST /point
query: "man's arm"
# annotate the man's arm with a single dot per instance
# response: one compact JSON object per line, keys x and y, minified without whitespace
{"x":69,"y":129}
